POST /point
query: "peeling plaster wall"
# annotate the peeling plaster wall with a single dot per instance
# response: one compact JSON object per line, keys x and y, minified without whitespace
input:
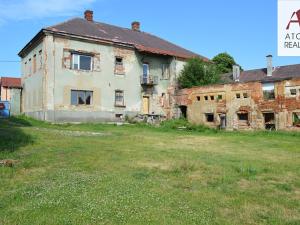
{"x":283,"y":106}
{"x":52,"y":84}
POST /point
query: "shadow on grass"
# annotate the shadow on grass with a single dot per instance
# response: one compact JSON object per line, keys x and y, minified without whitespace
{"x":12,"y":137}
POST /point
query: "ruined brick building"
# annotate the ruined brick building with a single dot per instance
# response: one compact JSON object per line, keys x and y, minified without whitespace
{"x":83,"y":70}
{"x":267,"y":98}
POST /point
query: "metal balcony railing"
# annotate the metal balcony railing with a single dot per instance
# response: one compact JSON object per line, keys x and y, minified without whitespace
{"x":149,"y":80}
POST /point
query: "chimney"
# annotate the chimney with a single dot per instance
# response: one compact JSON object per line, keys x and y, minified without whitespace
{"x":269,"y":65}
{"x":135,"y":26}
{"x":236,"y":73}
{"x":88,"y":15}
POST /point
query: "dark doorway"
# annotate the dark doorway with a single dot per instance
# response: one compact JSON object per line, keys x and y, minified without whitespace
{"x":183,"y":110}
{"x":222,"y":121}
{"x":269,"y":121}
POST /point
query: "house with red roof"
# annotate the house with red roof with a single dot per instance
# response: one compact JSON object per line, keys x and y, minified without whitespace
{"x":84,"y":70}
{"x":10,"y":90}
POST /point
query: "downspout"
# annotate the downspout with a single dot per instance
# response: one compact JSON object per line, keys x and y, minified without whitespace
{"x":54,"y":116}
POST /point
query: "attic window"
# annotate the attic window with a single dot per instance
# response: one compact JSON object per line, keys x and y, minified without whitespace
{"x":220,"y":97}
{"x":238,"y":95}
{"x":245,"y":95}
{"x":212,"y":97}
{"x":206,"y":98}
{"x":198,"y":98}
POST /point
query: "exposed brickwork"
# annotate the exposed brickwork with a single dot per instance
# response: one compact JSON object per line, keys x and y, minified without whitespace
{"x":242,"y":98}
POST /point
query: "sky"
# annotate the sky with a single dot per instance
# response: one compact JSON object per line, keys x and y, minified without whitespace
{"x":246,"y":29}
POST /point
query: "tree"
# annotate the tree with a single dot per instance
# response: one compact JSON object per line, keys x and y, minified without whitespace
{"x":196,"y":72}
{"x":224,"y":62}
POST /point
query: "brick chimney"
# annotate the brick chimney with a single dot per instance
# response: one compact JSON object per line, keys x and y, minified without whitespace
{"x":236,"y":73}
{"x":269,"y":65}
{"x":88,"y":15}
{"x":135,"y":26}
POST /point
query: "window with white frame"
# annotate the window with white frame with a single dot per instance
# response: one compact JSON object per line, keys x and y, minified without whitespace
{"x":79,"y":97}
{"x":119,"y":98}
{"x":81,"y":62}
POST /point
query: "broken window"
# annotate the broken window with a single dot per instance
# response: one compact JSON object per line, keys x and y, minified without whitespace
{"x":238,"y":95}
{"x":81,"y":62}
{"x":209,"y":117}
{"x":165,"y":71}
{"x":293,"y":91}
{"x":245,"y":95}
{"x":206,"y":98}
{"x":243,"y":116}
{"x":198,"y":98}
{"x":296,"y":119}
{"x":119,"y":116}
{"x":212,"y":97}
{"x":119,"y":61}
{"x":119,"y":67}
{"x":81,"y":97}
{"x":220,"y":97}
{"x":268,"y":91}
{"x":119,"y":98}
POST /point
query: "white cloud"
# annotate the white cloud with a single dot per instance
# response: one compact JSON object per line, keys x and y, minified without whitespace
{"x":31,"y":9}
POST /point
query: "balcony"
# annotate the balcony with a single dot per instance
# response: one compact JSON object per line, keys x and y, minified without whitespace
{"x":149,"y":80}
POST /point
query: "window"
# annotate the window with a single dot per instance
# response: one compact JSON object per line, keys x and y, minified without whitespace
{"x":220,"y":97}
{"x":81,"y":97}
{"x":119,"y":116}
{"x":81,"y":62}
{"x":34,"y":64}
{"x":296,"y":119}
{"x":145,"y":69}
{"x":119,"y":98}
{"x":165,"y":71}
{"x":243,"y":116}
{"x":245,"y":95}
{"x":209,"y":117}
{"x":119,"y":61}
{"x":238,"y":95}
{"x":293,"y":91}
{"x":268,"y":91}
{"x":29,"y":66}
{"x":198,"y":98}
{"x":212,"y":97}
{"x":206,"y":98}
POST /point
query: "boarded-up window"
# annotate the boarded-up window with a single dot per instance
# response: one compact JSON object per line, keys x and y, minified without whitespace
{"x":67,"y":59}
{"x":34,"y":64}
{"x":165,"y":71}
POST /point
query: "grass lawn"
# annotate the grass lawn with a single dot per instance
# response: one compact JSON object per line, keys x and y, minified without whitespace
{"x":106,"y":174}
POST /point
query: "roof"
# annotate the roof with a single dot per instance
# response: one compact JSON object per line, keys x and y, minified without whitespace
{"x":279,"y":73}
{"x":142,"y":41}
{"x":10,"y":82}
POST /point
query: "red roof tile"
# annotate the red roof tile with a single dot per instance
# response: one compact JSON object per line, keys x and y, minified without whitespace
{"x":11,"y":82}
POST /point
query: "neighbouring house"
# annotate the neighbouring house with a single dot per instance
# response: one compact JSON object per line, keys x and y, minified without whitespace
{"x":267,"y":98}
{"x":83,"y":70}
{"x":10,"y":90}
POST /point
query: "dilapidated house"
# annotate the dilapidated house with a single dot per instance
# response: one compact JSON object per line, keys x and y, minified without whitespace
{"x":267,"y":98}
{"x":83,"y":70}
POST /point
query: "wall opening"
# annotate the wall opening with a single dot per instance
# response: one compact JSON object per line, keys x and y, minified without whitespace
{"x":269,"y":119}
{"x":183,"y":111}
{"x":209,"y":117}
{"x":296,"y":119}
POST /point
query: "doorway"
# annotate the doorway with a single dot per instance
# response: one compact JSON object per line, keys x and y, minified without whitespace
{"x":269,"y":119}
{"x":183,"y":110}
{"x":145,"y":105}
{"x":222,"y":121}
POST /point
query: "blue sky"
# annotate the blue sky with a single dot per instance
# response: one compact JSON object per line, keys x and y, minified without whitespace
{"x":245,"y":29}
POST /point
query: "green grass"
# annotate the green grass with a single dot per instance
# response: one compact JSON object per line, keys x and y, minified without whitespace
{"x":136,"y":174}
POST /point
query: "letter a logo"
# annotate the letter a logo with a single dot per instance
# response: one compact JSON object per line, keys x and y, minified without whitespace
{"x":294,"y":21}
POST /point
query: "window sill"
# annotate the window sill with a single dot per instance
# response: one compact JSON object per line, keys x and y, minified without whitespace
{"x":78,"y":70}
{"x":120,"y":106}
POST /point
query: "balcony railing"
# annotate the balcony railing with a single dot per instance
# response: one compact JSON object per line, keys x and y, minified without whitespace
{"x":149,"y":80}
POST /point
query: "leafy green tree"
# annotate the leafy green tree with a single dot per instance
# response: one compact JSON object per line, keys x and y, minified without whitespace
{"x":224,"y":62}
{"x":196,"y":72}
